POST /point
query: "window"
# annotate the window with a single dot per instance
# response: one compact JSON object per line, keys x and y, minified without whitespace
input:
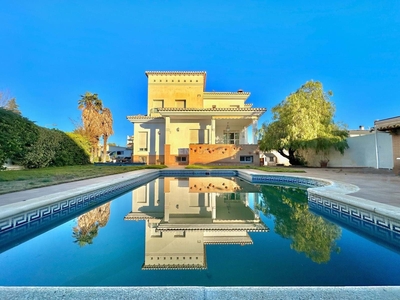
{"x":158,"y":103}
{"x":231,"y":138}
{"x":142,"y":141}
{"x":246,"y":159}
{"x":180,"y":103}
{"x":181,"y":158}
{"x":271,"y":159}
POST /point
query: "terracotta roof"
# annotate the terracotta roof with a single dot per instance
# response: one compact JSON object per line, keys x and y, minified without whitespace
{"x":388,"y":124}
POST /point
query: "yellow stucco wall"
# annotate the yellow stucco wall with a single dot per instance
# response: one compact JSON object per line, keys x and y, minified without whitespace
{"x":172,"y":87}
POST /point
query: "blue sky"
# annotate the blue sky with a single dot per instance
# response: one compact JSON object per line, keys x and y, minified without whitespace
{"x":54,"y":51}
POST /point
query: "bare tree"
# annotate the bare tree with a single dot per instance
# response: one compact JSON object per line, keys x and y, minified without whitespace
{"x":9,"y":103}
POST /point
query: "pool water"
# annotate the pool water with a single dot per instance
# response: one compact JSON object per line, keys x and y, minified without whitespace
{"x":203,"y":231}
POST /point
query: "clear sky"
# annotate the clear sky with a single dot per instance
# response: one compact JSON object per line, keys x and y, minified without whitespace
{"x":51,"y":52}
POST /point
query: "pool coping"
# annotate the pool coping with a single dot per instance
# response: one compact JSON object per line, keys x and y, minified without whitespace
{"x":198,"y":292}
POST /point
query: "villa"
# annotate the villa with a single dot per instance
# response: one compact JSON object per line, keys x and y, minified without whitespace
{"x":187,"y":125}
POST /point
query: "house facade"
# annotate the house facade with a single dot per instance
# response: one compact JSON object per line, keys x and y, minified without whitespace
{"x":392,"y":126}
{"x":185,"y":124}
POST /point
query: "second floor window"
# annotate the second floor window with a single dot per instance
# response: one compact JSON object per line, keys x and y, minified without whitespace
{"x":180,"y":103}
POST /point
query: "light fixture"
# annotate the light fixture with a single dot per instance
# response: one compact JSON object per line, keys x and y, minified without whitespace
{"x":159,"y":132}
{"x":177,"y":128}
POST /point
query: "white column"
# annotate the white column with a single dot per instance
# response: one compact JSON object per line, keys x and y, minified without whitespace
{"x":212,"y":131}
{"x":167,"y":130}
{"x":213,"y":206}
{"x":243,"y":137}
{"x":254,"y":129}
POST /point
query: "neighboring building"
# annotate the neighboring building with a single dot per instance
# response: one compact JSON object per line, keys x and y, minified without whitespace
{"x":116,"y":153}
{"x":129,"y":141}
{"x":187,"y":125}
{"x":273,"y":158}
{"x":392,"y":125}
{"x":359,"y":132}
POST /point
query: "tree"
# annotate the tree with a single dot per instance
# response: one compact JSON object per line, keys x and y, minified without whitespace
{"x":106,"y":129}
{"x":91,"y":106}
{"x":9,"y":103}
{"x":304,"y":120}
{"x":97,"y":122}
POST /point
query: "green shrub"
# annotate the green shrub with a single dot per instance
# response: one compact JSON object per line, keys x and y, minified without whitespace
{"x":54,"y":148}
{"x":18,"y":135}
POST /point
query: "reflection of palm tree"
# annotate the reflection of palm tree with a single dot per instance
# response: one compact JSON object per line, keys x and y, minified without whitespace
{"x":84,"y":237}
{"x":310,"y":234}
{"x":89,"y":224}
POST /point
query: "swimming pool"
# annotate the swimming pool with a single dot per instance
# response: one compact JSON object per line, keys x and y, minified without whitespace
{"x":204,"y":231}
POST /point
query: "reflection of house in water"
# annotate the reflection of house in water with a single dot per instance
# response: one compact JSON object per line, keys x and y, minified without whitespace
{"x":185,"y":214}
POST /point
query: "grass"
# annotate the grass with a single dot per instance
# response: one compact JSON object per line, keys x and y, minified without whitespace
{"x":19,"y":180}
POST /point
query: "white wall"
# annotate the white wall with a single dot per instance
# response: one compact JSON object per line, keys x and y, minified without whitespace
{"x":361,"y":153}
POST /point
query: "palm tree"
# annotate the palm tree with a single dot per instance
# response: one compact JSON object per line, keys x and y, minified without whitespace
{"x":106,"y":129}
{"x":91,"y":107}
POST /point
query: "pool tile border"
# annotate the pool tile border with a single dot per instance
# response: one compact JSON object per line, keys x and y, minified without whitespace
{"x":40,"y":213}
{"x":347,"y":211}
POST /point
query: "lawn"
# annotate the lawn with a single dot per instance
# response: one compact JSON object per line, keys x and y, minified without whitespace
{"x":13,"y":181}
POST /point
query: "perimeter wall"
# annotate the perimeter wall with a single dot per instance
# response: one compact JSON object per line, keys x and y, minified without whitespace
{"x":361,"y":153}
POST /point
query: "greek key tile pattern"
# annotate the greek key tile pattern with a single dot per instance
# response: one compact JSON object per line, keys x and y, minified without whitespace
{"x":77,"y":203}
{"x":308,"y":182}
{"x":351,"y":215}
{"x":198,"y":173}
